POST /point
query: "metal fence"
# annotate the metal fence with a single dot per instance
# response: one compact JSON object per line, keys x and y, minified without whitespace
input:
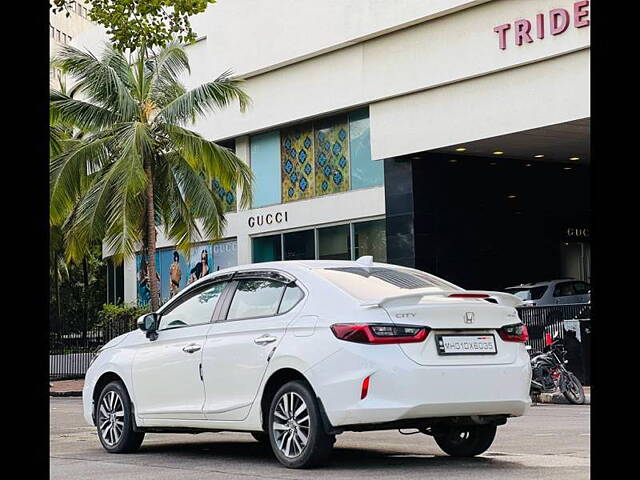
{"x":572,"y":323}
{"x":544,"y":319}
{"x":70,"y":352}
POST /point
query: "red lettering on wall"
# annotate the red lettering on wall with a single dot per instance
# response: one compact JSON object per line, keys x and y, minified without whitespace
{"x":501,"y":30}
{"x":559,"y":19}
{"x":522,"y":27}
{"x":540,"y":26}
{"x":579,"y":13}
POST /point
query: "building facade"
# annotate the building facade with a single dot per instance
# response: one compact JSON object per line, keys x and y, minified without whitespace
{"x":450,"y":135}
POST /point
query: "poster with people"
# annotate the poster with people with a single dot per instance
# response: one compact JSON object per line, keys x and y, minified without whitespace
{"x":176,"y":270}
{"x":200,"y":263}
{"x":142,"y":278}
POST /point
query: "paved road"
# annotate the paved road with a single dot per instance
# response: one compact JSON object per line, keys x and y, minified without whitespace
{"x":551,"y":442}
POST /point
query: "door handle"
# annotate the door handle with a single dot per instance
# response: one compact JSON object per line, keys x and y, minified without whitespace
{"x":264,"y":340}
{"x":191,"y":348}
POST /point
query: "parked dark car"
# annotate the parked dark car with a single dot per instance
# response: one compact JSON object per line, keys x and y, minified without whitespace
{"x":553,"y":292}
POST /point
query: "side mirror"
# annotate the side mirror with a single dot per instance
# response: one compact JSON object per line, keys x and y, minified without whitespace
{"x":149,"y":323}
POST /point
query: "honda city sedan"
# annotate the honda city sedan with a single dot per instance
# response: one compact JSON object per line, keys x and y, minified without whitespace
{"x":297,"y":352}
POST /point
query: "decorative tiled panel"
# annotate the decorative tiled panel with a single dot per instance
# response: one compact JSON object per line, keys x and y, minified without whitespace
{"x":332,"y":156}
{"x":227,"y":196}
{"x":296,"y":163}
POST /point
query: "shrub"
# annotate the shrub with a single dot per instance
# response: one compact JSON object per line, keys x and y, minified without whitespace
{"x":120,"y":318}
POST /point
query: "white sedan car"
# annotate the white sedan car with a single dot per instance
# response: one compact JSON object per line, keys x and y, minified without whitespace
{"x":297,"y":352}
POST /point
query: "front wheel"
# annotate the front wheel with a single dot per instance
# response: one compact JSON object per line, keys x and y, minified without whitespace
{"x":467,"y":441}
{"x":296,"y":433}
{"x":572,"y":388}
{"x":115,"y":420}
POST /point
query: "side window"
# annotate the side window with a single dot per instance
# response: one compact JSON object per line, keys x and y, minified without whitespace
{"x":581,"y":288}
{"x":196,"y":310}
{"x":291,"y":297}
{"x":563,"y":289}
{"x":255,"y":298}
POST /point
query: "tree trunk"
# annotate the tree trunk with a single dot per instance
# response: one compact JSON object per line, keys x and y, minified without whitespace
{"x":85,"y":301}
{"x":150,"y":239}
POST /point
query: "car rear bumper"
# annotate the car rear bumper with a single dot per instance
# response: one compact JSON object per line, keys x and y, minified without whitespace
{"x":400,"y":389}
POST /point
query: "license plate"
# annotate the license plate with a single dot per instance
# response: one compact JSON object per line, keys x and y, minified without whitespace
{"x":466,"y":344}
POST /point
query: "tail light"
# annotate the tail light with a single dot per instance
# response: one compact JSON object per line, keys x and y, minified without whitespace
{"x":469,"y":295}
{"x":365,"y":388}
{"x":514,"y":333}
{"x":379,"y":333}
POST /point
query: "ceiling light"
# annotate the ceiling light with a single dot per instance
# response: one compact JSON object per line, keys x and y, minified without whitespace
{"x":453,"y":160}
{"x":498,"y":152}
{"x":493,"y":163}
{"x":460,"y":149}
{"x":415,"y":158}
{"x":527,"y":164}
{"x":567,"y":168}
{"x":574,"y":158}
{"x":538,"y":156}
{"x":511,"y":196}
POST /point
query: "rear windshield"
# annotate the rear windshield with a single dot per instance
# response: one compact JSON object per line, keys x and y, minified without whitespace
{"x":366,"y":283}
{"x":532,"y":293}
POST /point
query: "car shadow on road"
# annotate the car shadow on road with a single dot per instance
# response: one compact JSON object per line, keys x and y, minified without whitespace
{"x":342,"y":458}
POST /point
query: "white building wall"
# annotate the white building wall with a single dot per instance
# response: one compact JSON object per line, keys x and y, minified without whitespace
{"x":431,"y":72}
{"x":536,"y":95}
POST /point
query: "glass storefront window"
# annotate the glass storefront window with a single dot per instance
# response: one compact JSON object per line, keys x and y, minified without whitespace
{"x":331,"y":141}
{"x":364,"y":171}
{"x":297,"y":163}
{"x":267,"y":249}
{"x":370,"y":239}
{"x":299,"y":245}
{"x":334,"y":243}
{"x":265,"y":164}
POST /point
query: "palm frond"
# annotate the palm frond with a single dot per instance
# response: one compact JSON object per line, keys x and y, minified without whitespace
{"x":215,"y":161}
{"x":205,"y":99}
{"x":106,"y":81}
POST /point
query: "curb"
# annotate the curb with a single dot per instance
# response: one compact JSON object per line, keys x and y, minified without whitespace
{"x":68,"y":393}
{"x":559,"y":399}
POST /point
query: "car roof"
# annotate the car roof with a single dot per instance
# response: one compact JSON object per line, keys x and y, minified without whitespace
{"x":544,"y":283}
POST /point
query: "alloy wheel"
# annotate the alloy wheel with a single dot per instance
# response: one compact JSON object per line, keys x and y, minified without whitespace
{"x":111,"y":418}
{"x":291,"y":424}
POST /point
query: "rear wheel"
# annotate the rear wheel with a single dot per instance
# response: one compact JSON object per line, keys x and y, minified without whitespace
{"x":296,"y":433}
{"x":466,"y":441}
{"x":115,"y":420}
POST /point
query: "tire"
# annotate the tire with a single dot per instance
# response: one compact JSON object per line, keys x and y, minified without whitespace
{"x":113,"y":414}
{"x":572,"y":389}
{"x":260,"y":437}
{"x":294,"y":411}
{"x":466,"y":441}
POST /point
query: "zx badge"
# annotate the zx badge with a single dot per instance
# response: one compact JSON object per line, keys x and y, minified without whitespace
{"x":405,"y":315}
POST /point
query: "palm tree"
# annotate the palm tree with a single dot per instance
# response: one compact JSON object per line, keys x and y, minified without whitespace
{"x":138,"y":166}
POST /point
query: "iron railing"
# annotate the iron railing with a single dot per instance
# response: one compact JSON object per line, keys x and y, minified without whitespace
{"x":70,"y":352}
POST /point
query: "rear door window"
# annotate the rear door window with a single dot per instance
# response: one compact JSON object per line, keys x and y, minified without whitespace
{"x":564,"y":289}
{"x":255,"y":298}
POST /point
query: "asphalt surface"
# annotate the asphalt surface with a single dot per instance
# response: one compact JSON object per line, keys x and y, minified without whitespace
{"x":552,"y":441}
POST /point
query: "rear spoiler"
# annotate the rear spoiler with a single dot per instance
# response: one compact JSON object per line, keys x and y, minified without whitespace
{"x":406,"y":299}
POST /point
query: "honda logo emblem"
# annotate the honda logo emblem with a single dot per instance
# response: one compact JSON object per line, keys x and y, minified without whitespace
{"x":468,"y":317}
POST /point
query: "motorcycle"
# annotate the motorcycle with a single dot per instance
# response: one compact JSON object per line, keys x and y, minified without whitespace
{"x":549,"y":374}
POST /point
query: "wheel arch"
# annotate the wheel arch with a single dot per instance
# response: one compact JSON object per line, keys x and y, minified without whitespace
{"x":104,"y":379}
{"x":275,"y":381}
